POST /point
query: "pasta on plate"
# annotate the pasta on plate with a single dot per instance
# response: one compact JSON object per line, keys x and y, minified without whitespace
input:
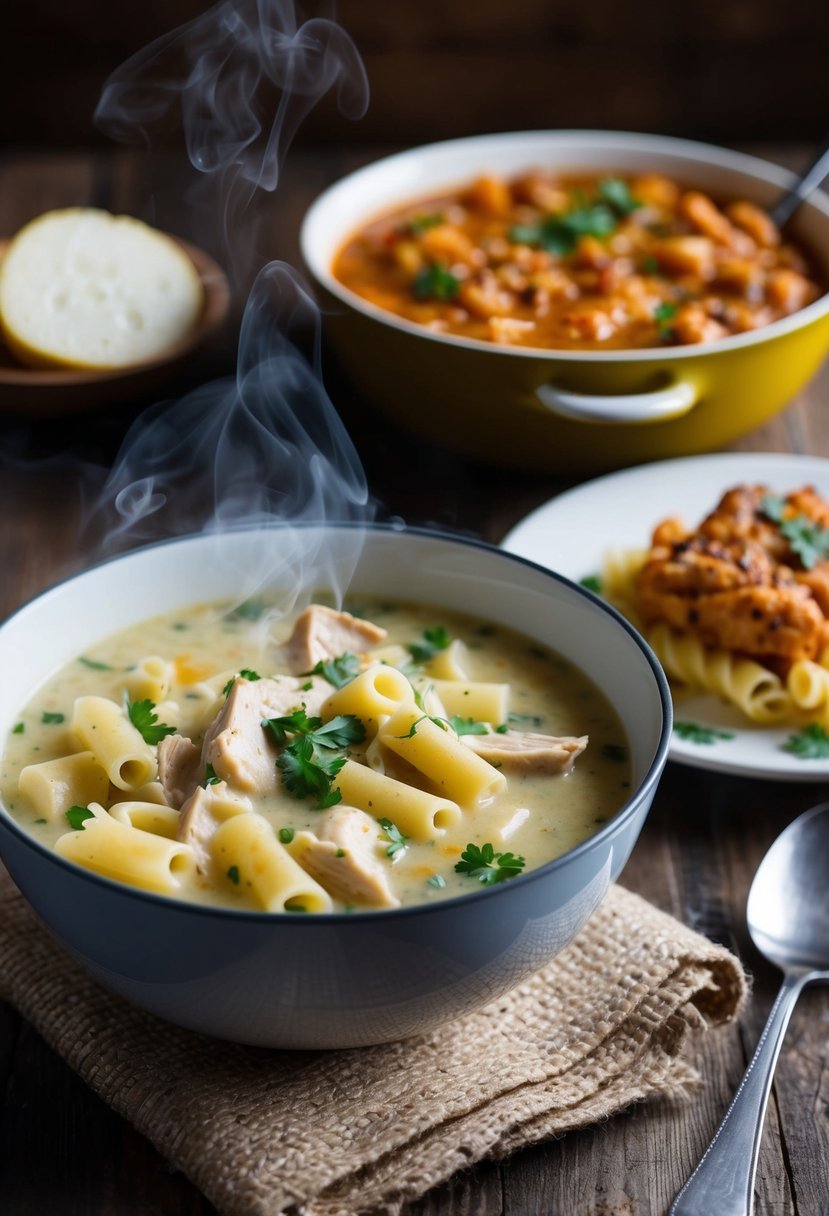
{"x":323,"y":763}
{"x":738,"y":606}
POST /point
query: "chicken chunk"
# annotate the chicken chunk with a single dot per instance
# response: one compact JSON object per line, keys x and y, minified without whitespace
{"x":203,"y":812}
{"x":525,"y":752}
{"x":344,"y":858}
{"x":237,"y":745}
{"x":322,"y":633}
{"x":180,"y":768}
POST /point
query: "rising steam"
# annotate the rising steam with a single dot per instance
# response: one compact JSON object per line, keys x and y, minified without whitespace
{"x":216,"y":71}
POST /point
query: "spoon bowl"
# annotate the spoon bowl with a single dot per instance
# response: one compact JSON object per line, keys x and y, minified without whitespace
{"x":788,"y":918}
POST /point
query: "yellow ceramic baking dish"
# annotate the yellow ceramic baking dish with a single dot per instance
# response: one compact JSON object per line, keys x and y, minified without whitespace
{"x":564,"y":411}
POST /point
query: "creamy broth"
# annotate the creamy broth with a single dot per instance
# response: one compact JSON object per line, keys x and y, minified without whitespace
{"x":196,"y":656}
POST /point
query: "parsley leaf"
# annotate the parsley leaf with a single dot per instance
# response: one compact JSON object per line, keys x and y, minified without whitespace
{"x":246,"y":673}
{"x":19,"y":728}
{"x":52,"y":719}
{"x":338,"y":671}
{"x":437,"y":880}
{"x":559,"y":234}
{"x":94,"y":664}
{"x":663,"y":314}
{"x":145,"y":721}
{"x":341,"y":731}
{"x":467,"y":726}
{"x":393,"y":834}
{"x":423,"y":221}
{"x":307,"y":774}
{"x":210,"y":777}
{"x":248,"y":610}
{"x":233,"y":874}
{"x":435,"y":282}
{"x":811,"y":743}
{"x":296,"y":723}
{"x":488,"y":866}
{"x":807,"y":539}
{"x":592,"y":582}
{"x":695,"y":733}
{"x":616,"y":193}
{"x":78,"y":815}
{"x":434,"y":640}
{"x":615,"y":751}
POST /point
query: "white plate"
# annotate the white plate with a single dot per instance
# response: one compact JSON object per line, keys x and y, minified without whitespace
{"x":571,"y":533}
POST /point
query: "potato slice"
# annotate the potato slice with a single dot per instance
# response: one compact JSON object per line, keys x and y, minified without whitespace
{"x":81,"y":288}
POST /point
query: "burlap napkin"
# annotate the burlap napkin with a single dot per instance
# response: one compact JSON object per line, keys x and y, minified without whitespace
{"x":333,"y":1134}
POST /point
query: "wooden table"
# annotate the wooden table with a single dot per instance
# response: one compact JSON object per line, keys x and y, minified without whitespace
{"x":63,"y":1152}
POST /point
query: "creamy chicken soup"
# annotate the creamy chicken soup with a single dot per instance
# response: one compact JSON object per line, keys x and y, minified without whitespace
{"x":340,"y":761}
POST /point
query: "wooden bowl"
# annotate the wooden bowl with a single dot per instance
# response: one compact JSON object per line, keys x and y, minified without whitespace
{"x":45,"y":392}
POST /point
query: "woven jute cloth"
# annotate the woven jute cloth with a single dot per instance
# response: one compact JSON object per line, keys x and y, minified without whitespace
{"x":338,"y":1133}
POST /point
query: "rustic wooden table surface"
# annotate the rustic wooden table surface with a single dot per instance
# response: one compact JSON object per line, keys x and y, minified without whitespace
{"x":62,"y":1151}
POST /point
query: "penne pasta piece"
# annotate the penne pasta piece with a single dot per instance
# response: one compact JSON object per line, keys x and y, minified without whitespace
{"x":451,"y":663}
{"x":419,"y":814}
{"x":54,"y":785}
{"x":245,"y":849}
{"x":103,"y":728}
{"x":128,"y":854}
{"x":441,"y":757}
{"x":474,"y":699}
{"x":151,"y":678}
{"x":147,"y":817}
{"x":371,"y":696}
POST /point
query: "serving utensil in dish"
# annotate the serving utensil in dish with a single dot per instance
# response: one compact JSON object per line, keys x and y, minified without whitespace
{"x":573,"y":411}
{"x":45,"y":392}
{"x":332,"y":980}
{"x":788,"y":919}
{"x":784,"y":208}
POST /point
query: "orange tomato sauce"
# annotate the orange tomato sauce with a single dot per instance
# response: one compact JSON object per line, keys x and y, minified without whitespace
{"x":580,"y":263}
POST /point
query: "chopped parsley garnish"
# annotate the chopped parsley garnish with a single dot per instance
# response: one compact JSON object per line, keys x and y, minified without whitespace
{"x":592,"y":582}
{"x":650,"y":265}
{"x":233,"y":874}
{"x":412,"y":731}
{"x":615,"y":751}
{"x":423,"y":221}
{"x":145,"y":721}
{"x":52,"y":719}
{"x":249,"y":610}
{"x":483,"y":863}
{"x":210,"y":777}
{"x":434,"y":640}
{"x":437,"y":880}
{"x":338,"y":671}
{"x":807,"y":539}
{"x":811,"y":743}
{"x":94,"y":664}
{"x":306,"y":763}
{"x":694,"y":733}
{"x":663,"y":314}
{"x":78,"y":815}
{"x":467,"y":726}
{"x":286,"y":835}
{"x":19,"y":729}
{"x":246,"y":673}
{"x":616,"y":193}
{"x":435,"y":282}
{"x":392,"y":833}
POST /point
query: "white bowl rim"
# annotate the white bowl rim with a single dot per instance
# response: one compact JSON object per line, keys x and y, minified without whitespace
{"x":695,"y":151}
{"x":627,"y":811}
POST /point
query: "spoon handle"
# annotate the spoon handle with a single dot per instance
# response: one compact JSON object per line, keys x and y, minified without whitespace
{"x":723,"y":1182}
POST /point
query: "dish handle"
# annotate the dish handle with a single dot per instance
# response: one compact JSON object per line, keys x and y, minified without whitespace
{"x":658,"y":405}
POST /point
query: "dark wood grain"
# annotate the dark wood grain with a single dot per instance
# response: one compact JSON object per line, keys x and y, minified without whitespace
{"x":695,"y":858}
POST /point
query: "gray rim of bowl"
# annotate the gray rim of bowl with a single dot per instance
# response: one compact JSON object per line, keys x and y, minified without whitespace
{"x":741,"y":161}
{"x":625,"y":812}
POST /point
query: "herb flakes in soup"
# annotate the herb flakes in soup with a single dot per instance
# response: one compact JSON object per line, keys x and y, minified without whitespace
{"x":321,"y":763}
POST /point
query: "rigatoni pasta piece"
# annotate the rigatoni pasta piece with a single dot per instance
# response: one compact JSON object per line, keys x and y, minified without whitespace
{"x":440,"y":756}
{"x":474,"y":699}
{"x":808,"y":686}
{"x":151,"y":678}
{"x":758,"y":692}
{"x":54,"y":785}
{"x":451,"y":663}
{"x":419,"y":814}
{"x":127,"y":854}
{"x":371,"y":696}
{"x":103,"y":727}
{"x":246,"y":851}
{"x":147,"y":817}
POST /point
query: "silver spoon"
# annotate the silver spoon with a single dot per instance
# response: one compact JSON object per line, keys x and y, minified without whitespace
{"x":788,"y":919}
{"x":785,"y":207}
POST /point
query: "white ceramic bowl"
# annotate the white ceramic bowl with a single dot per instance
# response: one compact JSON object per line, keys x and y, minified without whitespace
{"x":331,"y":980}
